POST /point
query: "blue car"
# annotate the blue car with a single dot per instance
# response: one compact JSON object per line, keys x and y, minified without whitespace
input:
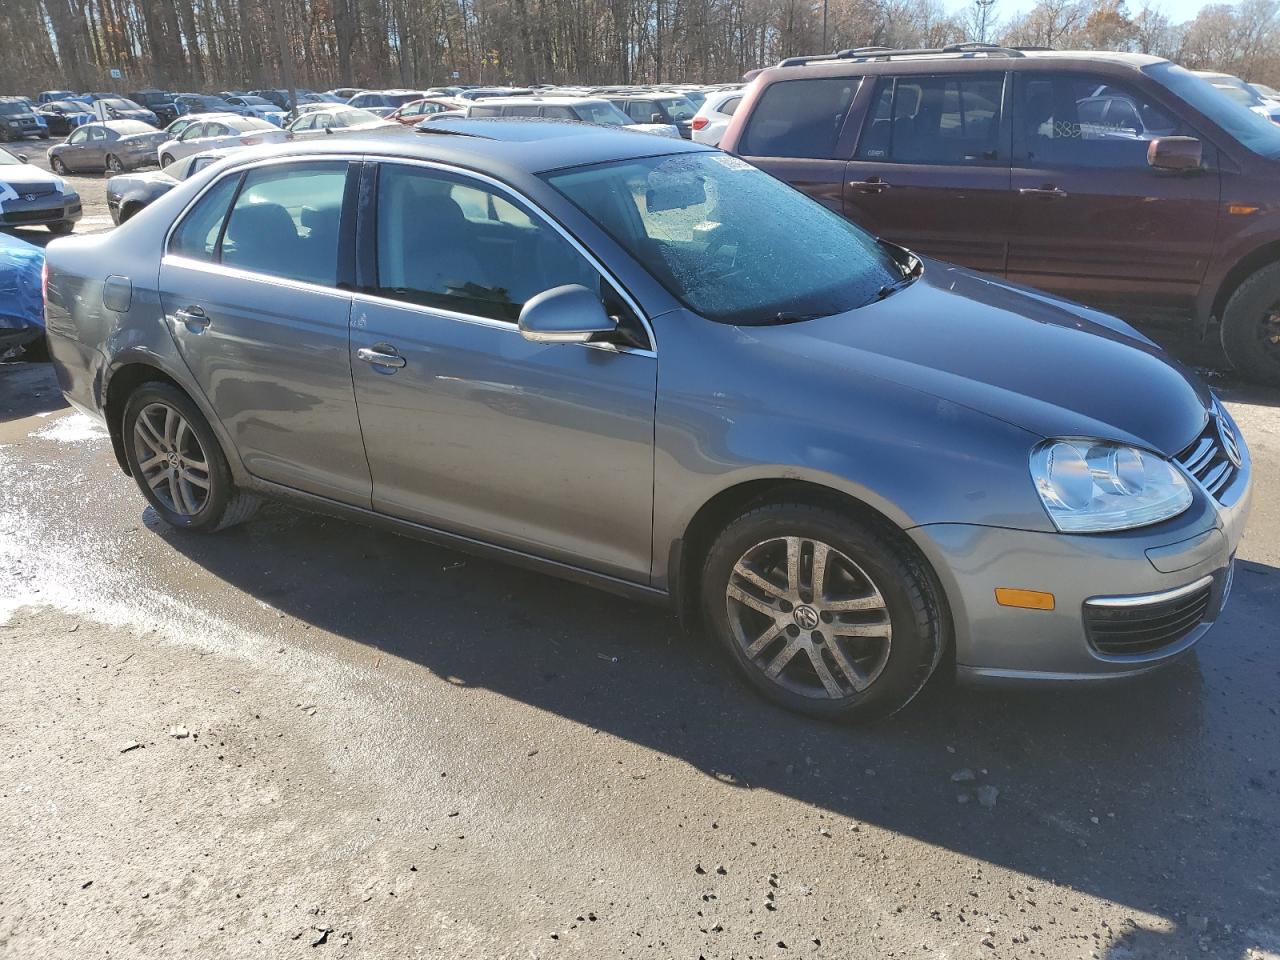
{"x":21,"y":297}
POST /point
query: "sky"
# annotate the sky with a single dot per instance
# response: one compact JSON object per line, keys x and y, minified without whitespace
{"x":1179,"y":11}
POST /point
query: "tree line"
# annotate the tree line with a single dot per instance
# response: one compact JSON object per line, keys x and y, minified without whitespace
{"x":230,"y":44}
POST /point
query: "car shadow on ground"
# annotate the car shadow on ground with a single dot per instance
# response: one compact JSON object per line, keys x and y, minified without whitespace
{"x":28,"y":391}
{"x":1124,"y":791}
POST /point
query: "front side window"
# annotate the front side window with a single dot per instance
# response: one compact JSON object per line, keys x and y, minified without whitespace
{"x":731,"y":242}
{"x":934,"y":120}
{"x":285,"y":222}
{"x":455,"y":244}
{"x":799,"y":118}
{"x":193,"y":131}
{"x":1074,"y":120}
{"x":79,"y":136}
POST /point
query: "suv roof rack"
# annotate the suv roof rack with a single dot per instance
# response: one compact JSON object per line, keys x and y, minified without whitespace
{"x":864,"y":54}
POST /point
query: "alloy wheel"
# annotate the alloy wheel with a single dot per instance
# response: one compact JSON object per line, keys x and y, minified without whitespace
{"x":114,"y":164}
{"x":809,"y":618}
{"x":172,"y":462}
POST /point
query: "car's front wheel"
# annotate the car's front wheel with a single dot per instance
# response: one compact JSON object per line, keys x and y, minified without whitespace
{"x":58,"y":167}
{"x":178,"y":463}
{"x":1251,"y":326}
{"x":61,"y":227}
{"x":824,"y":613}
{"x":165,"y":160}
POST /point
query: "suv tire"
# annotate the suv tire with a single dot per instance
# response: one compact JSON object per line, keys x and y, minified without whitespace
{"x":1251,"y":326}
{"x":858,"y":645}
{"x":178,"y":463}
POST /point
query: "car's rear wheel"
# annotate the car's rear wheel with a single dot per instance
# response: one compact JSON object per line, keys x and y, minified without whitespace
{"x":178,"y":463}
{"x":1251,"y":326}
{"x":58,"y":167}
{"x":113,"y":164}
{"x":44,"y":135}
{"x":824,"y":613}
{"x":61,"y":227}
{"x":165,"y":160}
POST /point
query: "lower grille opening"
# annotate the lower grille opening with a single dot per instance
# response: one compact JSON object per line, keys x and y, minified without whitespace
{"x":1137,"y":628}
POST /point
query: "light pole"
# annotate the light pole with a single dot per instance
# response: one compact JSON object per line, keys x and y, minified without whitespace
{"x":984,"y":6}
{"x":286,"y":58}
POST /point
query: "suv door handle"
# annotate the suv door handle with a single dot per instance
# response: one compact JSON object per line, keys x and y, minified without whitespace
{"x":386,"y":358}
{"x":1047,"y":192}
{"x":874,"y":185}
{"x":194,"y":317}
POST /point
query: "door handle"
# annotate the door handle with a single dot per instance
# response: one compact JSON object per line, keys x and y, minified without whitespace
{"x":386,"y":358}
{"x":1047,"y":192}
{"x":194,"y":317}
{"x":874,"y":185}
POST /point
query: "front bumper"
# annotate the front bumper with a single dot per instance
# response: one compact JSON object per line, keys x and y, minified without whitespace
{"x":1130,"y":572}
{"x":50,"y":208}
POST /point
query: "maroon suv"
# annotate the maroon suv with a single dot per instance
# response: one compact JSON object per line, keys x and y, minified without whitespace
{"x":1119,"y":180}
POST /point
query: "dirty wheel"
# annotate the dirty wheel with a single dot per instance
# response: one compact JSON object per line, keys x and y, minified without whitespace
{"x":113,"y":164}
{"x":1251,"y":326}
{"x":823,"y":613}
{"x":165,"y":160}
{"x":178,"y":463}
{"x":58,"y":167}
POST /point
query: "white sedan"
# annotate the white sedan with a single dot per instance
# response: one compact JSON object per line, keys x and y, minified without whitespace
{"x":217,"y":130}
{"x":336,"y":118}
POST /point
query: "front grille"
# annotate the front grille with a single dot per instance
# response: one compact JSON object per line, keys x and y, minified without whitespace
{"x":1137,"y":625}
{"x":1212,"y":457}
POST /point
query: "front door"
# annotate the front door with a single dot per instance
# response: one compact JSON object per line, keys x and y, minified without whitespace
{"x":252,"y":300}
{"x":931,"y":169}
{"x":1093,"y":221}
{"x":542,"y":448}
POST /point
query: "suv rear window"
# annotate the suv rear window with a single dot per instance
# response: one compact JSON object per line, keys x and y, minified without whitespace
{"x":934,"y":120}
{"x":799,"y":118}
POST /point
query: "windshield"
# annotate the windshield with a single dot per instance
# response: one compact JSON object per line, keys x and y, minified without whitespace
{"x":731,"y":242}
{"x":602,"y":111}
{"x":679,"y":108}
{"x":12,"y":109}
{"x":1254,"y":131}
{"x":256,"y":101}
{"x":7,"y":159}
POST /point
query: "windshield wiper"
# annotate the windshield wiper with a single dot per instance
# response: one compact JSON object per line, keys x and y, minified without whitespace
{"x":780,"y":317}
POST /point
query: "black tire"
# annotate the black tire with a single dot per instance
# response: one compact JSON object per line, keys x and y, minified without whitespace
{"x":114,"y":166}
{"x":901,"y":580}
{"x":1251,"y":326}
{"x":58,"y":167}
{"x":44,"y":135}
{"x":165,"y":160}
{"x":225,"y":505}
{"x":62,"y":227}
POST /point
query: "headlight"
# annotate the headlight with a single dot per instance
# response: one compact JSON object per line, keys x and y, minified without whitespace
{"x":1092,"y":486}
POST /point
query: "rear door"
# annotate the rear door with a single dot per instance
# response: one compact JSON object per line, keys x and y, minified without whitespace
{"x":1093,"y":221}
{"x":797,"y":133}
{"x":931,"y":168}
{"x":250,"y":289}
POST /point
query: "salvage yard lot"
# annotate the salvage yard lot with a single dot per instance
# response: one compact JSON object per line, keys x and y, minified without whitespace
{"x":393,"y":750}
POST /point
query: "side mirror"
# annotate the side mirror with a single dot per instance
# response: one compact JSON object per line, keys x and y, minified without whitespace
{"x":22,"y":158}
{"x":568,"y":314}
{"x":1175,"y":153}
{"x":656,"y":118}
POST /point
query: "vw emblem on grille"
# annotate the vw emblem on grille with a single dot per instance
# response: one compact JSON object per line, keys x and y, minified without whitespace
{"x":28,"y":197}
{"x":806,"y":617}
{"x":1230,"y":445}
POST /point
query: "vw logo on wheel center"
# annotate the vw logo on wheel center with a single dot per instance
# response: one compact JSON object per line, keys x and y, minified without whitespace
{"x":806,"y":617}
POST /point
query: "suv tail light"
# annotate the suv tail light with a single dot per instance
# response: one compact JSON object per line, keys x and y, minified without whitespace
{"x":699,"y":122}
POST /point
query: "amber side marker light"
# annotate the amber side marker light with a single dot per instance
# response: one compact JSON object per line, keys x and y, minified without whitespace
{"x":1026,"y":599}
{"x":1240,"y":210}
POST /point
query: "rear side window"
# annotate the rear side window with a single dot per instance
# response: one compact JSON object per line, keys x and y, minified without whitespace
{"x":730,"y":106}
{"x":197,"y":235}
{"x":285,"y":222}
{"x":799,"y":118}
{"x":486,"y":111}
{"x":934,"y":120}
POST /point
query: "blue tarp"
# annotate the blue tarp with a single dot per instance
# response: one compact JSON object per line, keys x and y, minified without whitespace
{"x":21,"y":297}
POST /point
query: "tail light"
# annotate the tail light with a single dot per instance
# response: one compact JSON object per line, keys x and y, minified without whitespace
{"x":250,"y":141}
{"x":44,"y":281}
{"x":700,"y":122}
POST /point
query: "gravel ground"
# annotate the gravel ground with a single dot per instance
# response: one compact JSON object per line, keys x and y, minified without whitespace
{"x":306,"y":738}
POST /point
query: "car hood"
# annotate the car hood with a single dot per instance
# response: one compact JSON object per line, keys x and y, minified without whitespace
{"x":26,"y":177}
{"x":1052,"y":367}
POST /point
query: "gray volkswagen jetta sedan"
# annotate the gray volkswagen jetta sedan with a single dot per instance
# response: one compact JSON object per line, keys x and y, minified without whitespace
{"x":644,"y":364}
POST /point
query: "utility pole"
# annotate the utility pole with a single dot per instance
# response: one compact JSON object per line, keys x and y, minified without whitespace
{"x":984,"y":7}
{"x":286,"y":58}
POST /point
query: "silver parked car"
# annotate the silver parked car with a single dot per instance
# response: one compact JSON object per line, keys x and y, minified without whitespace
{"x":587,"y":351}
{"x":213,"y":131}
{"x":111,"y":145}
{"x":328,"y":119}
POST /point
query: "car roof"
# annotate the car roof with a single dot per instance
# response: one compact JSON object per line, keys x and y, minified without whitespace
{"x":561,"y":100}
{"x":500,"y":147}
